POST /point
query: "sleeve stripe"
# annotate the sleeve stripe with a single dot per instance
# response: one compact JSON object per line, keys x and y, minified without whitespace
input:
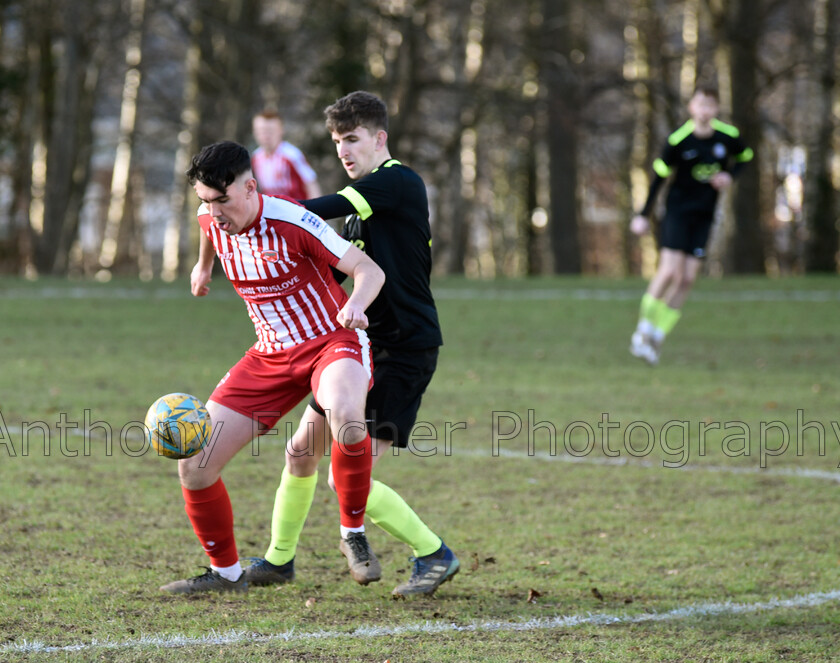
{"x":746,"y":155}
{"x":357,"y":201}
{"x":725,"y":128}
{"x":681,"y":134}
{"x":661,"y":168}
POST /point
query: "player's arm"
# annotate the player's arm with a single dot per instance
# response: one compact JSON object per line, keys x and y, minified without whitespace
{"x":640,"y":223}
{"x":331,"y":206}
{"x":202,"y":272}
{"x":368,"y":279}
{"x":662,"y":169}
{"x":721,"y":180}
{"x":742,"y":155}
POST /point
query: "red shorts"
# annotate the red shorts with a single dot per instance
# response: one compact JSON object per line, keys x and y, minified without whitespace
{"x":266,"y":386}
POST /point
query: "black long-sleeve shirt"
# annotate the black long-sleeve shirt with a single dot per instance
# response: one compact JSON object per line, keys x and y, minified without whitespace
{"x":387,"y":217}
{"x":693,"y":161}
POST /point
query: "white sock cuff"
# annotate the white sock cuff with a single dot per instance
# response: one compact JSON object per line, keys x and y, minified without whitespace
{"x":646,"y":327}
{"x":231,"y":573}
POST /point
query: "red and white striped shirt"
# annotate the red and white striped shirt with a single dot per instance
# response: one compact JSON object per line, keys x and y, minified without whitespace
{"x":280,"y":265}
{"x":284,"y":172}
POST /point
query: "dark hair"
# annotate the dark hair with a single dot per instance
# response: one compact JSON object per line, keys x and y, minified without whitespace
{"x":357,"y":109}
{"x":707,"y":90}
{"x":219,"y":164}
{"x":269,"y":114}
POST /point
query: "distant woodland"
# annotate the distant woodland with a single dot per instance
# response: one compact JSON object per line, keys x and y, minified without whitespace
{"x":533,"y":122}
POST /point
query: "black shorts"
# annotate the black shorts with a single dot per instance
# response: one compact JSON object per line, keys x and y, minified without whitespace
{"x":686,"y":231}
{"x":400,"y":378}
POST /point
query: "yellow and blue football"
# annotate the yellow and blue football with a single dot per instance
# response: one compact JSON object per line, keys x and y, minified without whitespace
{"x":178,"y":425}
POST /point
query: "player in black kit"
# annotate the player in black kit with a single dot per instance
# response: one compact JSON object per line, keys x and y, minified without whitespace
{"x":702,"y":156}
{"x":387,"y":216}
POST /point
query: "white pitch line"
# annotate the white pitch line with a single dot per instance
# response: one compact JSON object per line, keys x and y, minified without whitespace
{"x":696,"y":610}
{"x":608,"y":295}
{"x":795,"y":472}
{"x":526,"y":294}
{"x":789,"y":472}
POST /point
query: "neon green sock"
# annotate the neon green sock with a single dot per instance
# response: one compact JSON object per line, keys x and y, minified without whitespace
{"x":658,"y":310}
{"x":291,"y":506}
{"x":667,"y":318}
{"x":390,"y":512}
{"x":648,"y":308}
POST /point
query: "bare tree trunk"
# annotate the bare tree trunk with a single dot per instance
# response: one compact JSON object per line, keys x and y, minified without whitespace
{"x":115,"y":238}
{"x":81,"y":175}
{"x":820,"y":197}
{"x":44,"y":70}
{"x":241,"y":18}
{"x":58,"y":161}
{"x":748,"y":250}
{"x":21,"y":238}
{"x":639,"y":68}
{"x":663,"y":70}
{"x":456,"y":233}
{"x":455,"y":196}
{"x":740,"y":24}
{"x":528,"y":232}
{"x":690,"y":36}
{"x":563,"y":100}
{"x":137,"y":187}
{"x":533,"y":222}
{"x":187,"y":145}
{"x":217,"y":74}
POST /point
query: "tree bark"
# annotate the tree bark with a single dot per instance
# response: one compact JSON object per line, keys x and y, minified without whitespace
{"x":63,"y":108}
{"x":117,"y":237}
{"x":746,"y":249}
{"x":24,"y":131}
{"x":820,"y":197}
{"x":563,"y":102}
{"x":179,"y":208}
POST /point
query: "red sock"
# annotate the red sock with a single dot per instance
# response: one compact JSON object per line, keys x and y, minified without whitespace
{"x":351,"y":465}
{"x":211,"y":516}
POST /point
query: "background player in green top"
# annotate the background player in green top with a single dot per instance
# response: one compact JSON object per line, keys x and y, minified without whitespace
{"x":703,"y":156}
{"x":387,"y":216}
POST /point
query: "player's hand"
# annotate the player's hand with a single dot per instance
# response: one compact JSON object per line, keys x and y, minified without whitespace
{"x":199,"y":278}
{"x":639,"y":225}
{"x":721,"y":180}
{"x":352,"y":317}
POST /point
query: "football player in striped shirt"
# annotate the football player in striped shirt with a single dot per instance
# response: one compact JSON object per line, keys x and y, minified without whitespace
{"x":701,"y":158}
{"x":310,"y":338}
{"x":279,"y":167}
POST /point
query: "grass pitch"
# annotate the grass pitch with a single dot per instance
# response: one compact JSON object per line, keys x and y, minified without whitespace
{"x":602,"y":510}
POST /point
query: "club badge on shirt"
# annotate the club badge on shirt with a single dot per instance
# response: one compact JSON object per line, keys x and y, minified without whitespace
{"x":269,"y":256}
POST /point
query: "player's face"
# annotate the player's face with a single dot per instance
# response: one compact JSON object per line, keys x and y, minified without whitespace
{"x":703,"y":108}
{"x":268,"y":132}
{"x":359,"y":150}
{"x":232,"y":210}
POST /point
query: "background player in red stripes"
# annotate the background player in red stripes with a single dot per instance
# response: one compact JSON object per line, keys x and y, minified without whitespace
{"x":279,"y":167}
